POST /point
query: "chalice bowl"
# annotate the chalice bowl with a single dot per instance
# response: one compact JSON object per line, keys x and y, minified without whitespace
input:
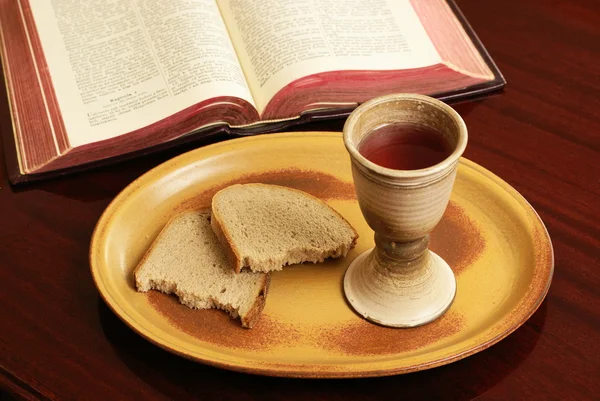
{"x":402,"y":193}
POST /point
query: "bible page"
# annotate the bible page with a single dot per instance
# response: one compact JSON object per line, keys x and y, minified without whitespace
{"x":279,"y":41}
{"x":118,"y":66}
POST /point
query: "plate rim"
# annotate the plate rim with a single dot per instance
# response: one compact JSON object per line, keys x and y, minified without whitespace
{"x":273,"y":370}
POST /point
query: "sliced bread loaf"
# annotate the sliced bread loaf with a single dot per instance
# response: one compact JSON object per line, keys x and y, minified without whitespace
{"x":186,"y":259}
{"x":265,"y":227}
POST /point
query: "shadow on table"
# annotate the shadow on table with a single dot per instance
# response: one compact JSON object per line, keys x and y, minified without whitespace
{"x":174,"y":376}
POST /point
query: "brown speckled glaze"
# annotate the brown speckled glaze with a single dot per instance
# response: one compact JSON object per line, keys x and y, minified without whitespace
{"x":363,"y":338}
{"x":210,"y":325}
{"x":317,"y":183}
{"x":307,"y":328}
{"x":457,"y":239}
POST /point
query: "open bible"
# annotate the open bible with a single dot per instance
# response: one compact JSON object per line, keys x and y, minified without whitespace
{"x":97,"y":80}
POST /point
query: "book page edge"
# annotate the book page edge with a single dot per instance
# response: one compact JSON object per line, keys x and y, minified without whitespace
{"x":14,"y":117}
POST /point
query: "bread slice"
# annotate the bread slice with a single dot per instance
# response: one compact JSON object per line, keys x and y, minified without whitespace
{"x":187,"y":260}
{"x":265,"y":227}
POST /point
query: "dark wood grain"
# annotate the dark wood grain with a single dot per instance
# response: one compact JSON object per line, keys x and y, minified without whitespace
{"x":58,"y":339}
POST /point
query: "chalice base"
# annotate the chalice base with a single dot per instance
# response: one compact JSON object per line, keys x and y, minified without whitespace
{"x":397,"y":300}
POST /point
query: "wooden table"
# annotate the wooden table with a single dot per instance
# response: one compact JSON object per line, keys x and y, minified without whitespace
{"x":59,"y":340}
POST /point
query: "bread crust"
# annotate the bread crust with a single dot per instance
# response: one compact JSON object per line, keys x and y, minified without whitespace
{"x":255,"y":312}
{"x":233,"y":255}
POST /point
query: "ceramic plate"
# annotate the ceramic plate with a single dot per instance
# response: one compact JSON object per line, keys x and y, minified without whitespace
{"x":491,"y":237}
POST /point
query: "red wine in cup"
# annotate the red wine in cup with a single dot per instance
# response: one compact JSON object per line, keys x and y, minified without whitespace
{"x":402,"y":146}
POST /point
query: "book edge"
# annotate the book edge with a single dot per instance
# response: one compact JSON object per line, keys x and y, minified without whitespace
{"x":39,"y":79}
{"x":487,"y":58}
{"x":14,"y":168}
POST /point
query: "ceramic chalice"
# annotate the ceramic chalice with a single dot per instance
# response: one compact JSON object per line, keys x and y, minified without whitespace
{"x":400,"y":282}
